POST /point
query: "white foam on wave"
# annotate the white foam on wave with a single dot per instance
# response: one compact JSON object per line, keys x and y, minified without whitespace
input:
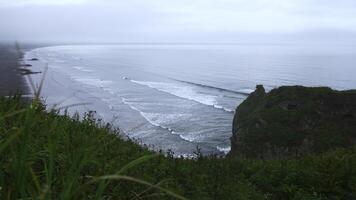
{"x":221,"y":107}
{"x":162,"y":121}
{"x":165,"y":119}
{"x":109,"y":90}
{"x":93,"y":81}
{"x":83,"y":69}
{"x":147,"y":116}
{"x":190,"y":137}
{"x":185,"y":92}
{"x":225,"y":150}
{"x":246,"y":90}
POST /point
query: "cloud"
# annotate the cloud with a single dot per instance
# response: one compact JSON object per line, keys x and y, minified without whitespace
{"x":171,"y":19}
{"x":11,"y":3}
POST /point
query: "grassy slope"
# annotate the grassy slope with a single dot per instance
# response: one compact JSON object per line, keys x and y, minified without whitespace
{"x":47,"y":156}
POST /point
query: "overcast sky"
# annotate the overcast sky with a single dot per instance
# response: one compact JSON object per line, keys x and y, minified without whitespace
{"x":176,"y":20}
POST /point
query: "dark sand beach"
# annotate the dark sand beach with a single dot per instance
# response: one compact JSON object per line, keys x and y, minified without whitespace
{"x":11,"y":72}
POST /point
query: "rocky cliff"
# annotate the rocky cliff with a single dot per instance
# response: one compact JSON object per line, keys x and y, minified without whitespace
{"x":292,"y":121}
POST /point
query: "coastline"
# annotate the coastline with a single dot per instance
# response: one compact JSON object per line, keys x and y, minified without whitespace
{"x":12,"y":78}
{"x":77,"y":89}
{"x":13,"y":68}
{"x":139,"y":101}
{"x":96,"y":151}
{"x":73,"y":152}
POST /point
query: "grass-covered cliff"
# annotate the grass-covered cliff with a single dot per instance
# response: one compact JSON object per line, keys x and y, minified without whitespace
{"x":47,"y":156}
{"x":294,"y":121}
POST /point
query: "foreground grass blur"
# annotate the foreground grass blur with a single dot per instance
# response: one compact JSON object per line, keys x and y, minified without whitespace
{"x":48,"y":156}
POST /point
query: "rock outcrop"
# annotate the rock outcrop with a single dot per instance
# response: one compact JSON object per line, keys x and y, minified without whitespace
{"x":292,"y":121}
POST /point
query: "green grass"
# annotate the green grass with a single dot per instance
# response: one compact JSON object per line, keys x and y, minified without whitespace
{"x":48,"y":156}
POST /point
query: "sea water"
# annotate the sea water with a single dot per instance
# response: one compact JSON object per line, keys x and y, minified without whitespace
{"x":182,"y":97}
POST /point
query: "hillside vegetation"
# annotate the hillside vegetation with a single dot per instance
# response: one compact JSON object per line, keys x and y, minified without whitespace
{"x":292,"y":121}
{"x":48,"y":156}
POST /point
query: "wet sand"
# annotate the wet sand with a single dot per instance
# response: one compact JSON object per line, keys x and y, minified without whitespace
{"x":12,"y":69}
{"x":11,"y":73}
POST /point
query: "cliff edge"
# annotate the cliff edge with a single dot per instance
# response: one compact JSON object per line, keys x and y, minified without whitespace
{"x":293,"y":121}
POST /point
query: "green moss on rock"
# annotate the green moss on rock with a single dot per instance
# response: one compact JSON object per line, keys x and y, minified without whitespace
{"x":294,"y":120}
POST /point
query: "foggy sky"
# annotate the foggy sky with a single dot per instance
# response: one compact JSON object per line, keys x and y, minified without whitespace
{"x":177,"y":20}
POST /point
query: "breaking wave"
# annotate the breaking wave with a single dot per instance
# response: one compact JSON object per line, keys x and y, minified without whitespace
{"x":184,"y":91}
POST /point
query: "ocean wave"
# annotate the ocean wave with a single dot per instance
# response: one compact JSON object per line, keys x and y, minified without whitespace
{"x":93,"y":81}
{"x":155,"y":119}
{"x":244,"y":92}
{"x":225,"y":109}
{"x":180,"y":91}
{"x":185,"y":92}
{"x":192,"y":137}
{"x":83,"y":69}
{"x":162,"y":120}
{"x":225,"y":150}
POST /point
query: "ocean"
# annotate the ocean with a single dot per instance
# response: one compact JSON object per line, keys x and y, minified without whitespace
{"x":181,"y":97}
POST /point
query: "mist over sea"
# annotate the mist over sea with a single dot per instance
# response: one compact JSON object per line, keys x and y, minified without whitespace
{"x":177,"y":97}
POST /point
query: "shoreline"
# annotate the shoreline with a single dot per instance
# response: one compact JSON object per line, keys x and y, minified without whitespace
{"x":57,"y":87}
{"x":54,"y":145}
{"x":134,"y":119}
{"x":14,"y":69}
{"x":12,"y":73}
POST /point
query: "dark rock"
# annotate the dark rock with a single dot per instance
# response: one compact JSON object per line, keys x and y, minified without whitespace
{"x":294,"y":120}
{"x":27,"y":72}
{"x":34,"y":59}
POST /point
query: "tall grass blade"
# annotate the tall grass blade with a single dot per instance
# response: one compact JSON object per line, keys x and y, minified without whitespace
{"x":133,"y":163}
{"x":32,"y":84}
{"x":13,"y":114}
{"x":8,"y":141}
{"x":136,"y":162}
{"x":142,"y":182}
{"x":38,"y":92}
{"x":150,"y":188}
